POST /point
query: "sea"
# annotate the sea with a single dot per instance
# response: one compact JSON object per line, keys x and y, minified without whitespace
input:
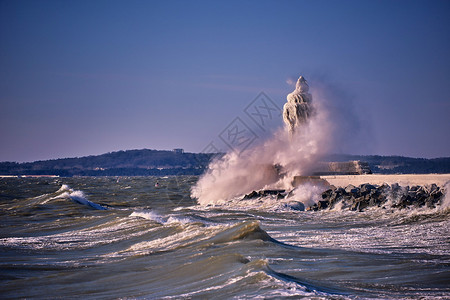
{"x":146,"y":238}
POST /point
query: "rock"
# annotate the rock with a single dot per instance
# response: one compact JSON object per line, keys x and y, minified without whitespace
{"x":414,"y":188}
{"x":350,"y":188}
{"x":375,"y":201}
{"x":339,"y":195}
{"x":314,"y":207}
{"x":434,"y":188}
{"x":429,"y":203}
{"x":353,"y":191}
{"x":359,"y":204}
{"x":366,"y":188}
{"x":322,"y":204}
{"x":404,"y":201}
{"x":436,"y":195}
{"x":340,"y":191}
{"x":270,"y":192}
{"x":384,"y":187}
{"x":367,"y":195}
{"x":252,"y":195}
{"x":395,"y":187}
{"x":263,"y":193}
{"x":327,"y":194}
{"x":420,"y":196}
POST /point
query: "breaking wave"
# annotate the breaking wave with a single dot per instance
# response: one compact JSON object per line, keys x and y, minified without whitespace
{"x":76,"y":196}
{"x":269,"y":165}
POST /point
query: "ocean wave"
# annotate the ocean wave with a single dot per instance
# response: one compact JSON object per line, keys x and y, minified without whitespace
{"x":64,"y":188}
{"x":231,"y":270}
{"x":175,"y":235}
{"x":85,"y":238}
{"x":163,"y":220}
{"x":76,"y":196}
{"x":80,"y":197}
{"x":168,"y":238}
{"x":244,"y":230}
{"x":64,"y":193}
{"x":143,"y":247}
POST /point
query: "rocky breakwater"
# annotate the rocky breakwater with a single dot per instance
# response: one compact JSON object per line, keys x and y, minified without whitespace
{"x":359,"y":198}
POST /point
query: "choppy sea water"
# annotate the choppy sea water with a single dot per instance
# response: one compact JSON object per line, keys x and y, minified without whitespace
{"x":125,"y":238}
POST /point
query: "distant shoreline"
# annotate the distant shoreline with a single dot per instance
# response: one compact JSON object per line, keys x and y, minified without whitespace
{"x":26,"y":176}
{"x":147,"y":162}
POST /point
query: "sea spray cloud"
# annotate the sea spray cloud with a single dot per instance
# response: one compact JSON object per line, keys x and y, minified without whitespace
{"x":352,"y":126}
{"x":270,"y":164}
{"x":445,"y":205}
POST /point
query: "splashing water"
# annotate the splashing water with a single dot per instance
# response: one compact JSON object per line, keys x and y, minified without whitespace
{"x":273,"y":163}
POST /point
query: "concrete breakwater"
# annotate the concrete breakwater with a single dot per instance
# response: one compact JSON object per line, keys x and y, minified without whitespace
{"x":380,"y":179}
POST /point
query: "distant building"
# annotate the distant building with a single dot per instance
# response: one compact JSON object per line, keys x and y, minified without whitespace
{"x":355,"y":167}
{"x":178,"y":151}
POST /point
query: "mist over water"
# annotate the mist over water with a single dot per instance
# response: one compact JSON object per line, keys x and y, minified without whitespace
{"x":290,"y":151}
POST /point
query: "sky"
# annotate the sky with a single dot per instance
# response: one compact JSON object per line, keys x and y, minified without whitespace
{"x":84,"y":78}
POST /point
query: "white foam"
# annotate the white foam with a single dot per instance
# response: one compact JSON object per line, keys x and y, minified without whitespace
{"x":238,"y":173}
{"x":75,"y":195}
{"x":149,"y":215}
{"x":153,"y":216}
{"x":258,"y":274}
{"x":78,"y":196}
{"x":64,"y":188}
{"x":182,"y":238}
{"x":406,"y":231}
{"x":105,"y":233}
{"x":308,"y":194}
{"x":445,"y":204}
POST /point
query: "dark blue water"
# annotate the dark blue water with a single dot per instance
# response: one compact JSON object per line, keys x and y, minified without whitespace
{"x":125,"y":238}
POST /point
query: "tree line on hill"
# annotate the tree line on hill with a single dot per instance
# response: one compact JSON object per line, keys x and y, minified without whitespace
{"x":147,"y":162}
{"x":143,"y":162}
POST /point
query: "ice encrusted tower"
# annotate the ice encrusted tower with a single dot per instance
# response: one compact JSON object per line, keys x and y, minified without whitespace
{"x":298,"y":108}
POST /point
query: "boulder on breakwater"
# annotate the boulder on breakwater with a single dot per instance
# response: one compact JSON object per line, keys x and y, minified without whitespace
{"x":264,"y":193}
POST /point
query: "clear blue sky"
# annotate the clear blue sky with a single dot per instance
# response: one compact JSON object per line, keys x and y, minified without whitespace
{"x":88,"y":77}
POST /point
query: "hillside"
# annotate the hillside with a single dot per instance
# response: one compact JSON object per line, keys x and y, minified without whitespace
{"x":121,"y":163}
{"x":147,"y":162}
